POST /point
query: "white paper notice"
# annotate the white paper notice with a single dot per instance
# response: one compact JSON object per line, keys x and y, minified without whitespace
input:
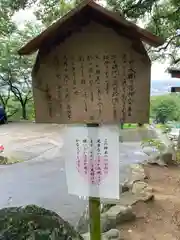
{"x":92,"y":160}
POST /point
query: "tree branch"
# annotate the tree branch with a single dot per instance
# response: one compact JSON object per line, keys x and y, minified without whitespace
{"x":176,"y":61}
{"x":15,"y":111}
{"x":168,"y":43}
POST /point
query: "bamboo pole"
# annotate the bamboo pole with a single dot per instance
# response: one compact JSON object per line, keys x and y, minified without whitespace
{"x":94,"y":218}
{"x":94,"y":211}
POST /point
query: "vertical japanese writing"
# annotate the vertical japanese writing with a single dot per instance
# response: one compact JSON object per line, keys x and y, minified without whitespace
{"x":85,"y":100}
{"x":59,"y":97}
{"x":91,"y":155}
{"x":49,"y":100}
{"x":81,"y":60}
{"x":85,"y":155}
{"x":92,"y":173}
{"x":67,"y":94}
{"x":106,"y":65}
{"x":98,"y":163}
{"x":78,"y":154}
{"x":89,"y":80}
{"x":59,"y":91}
{"x":114,"y":74}
{"x":106,"y":156}
{"x":66,"y":77}
{"x":83,"y":81}
{"x":91,"y":163}
{"x":73,"y":73}
{"x":90,"y":76}
{"x":123,"y":95}
{"x":97,"y":81}
{"x":131,"y":75}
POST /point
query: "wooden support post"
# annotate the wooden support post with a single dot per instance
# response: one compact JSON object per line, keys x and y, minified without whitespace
{"x":121,"y":135}
{"x":94,"y":218}
{"x":94,"y":211}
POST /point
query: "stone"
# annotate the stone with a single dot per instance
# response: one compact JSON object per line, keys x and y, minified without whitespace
{"x":150,"y":151}
{"x":83,"y":223}
{"x":106,"y":207}
{"x":126,"y":199}
{"x":137,"y":173}
{"x":163,"y":159}
{"x":129,"y":199}
{"x":142,"y":191}
{"x":156,"y":160}
{"x":33,"y":222}
{"x":107,"y":223}
{"x":167,"y":158}
{"x":86,"y":236}
{"x":141,"y":188}
{"x":120,"y":214}
{"x":124,"y":188}
{"x":113,"y":234}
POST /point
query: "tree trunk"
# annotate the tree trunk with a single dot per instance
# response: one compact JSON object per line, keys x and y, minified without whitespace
{"x":24,"y":113}
{"x":178,"y":142}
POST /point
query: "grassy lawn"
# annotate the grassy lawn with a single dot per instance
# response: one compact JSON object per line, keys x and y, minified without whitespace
{"x":130,"y":126}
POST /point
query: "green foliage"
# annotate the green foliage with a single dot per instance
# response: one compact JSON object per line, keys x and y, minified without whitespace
{"x":160,"y":17}
{"x":15,"y":73}
{"x":132,"y":9}
{"x":7,"y":161}
{"x":49,"y":11}
{"x":32,"y":222}
{"x":165,"y":108}
{"x":6,"y":12}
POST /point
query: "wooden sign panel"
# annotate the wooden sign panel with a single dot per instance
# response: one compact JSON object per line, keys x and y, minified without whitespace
{"x":81,"y":81}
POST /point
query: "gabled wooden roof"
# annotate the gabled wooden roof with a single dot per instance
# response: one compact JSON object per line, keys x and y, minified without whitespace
{"x":175,"y":72}
{"x":89,"y":10}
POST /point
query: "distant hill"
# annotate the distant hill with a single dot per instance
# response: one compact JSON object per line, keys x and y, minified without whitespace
{"x":159,"y":87}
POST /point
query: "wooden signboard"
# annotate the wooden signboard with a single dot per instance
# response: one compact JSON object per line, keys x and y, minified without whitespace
{"x":94,"y":76}
{"x":92,"y":68}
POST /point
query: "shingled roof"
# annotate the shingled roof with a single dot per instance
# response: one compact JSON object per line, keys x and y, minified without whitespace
{"x":175,"y":72}
{"x":89,"y":10}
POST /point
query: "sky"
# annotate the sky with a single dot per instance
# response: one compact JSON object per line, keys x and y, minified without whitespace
{"x":158,"y":70}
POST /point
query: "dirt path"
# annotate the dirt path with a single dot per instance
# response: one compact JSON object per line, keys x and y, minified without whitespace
{"x":159,"y":219}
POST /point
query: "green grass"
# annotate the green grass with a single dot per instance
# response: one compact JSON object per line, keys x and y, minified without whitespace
{"x":8,"y":161}
{"x":130,"y":126}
